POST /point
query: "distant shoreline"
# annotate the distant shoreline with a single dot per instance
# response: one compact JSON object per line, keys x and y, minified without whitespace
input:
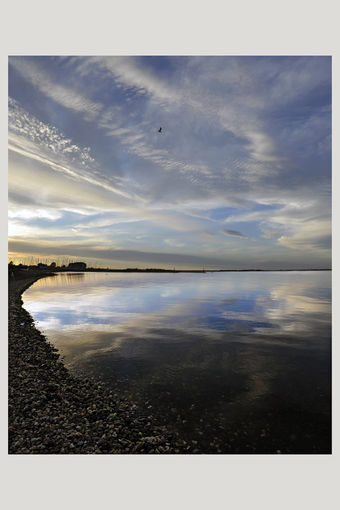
{"x":99,"y":270}
{"x":19,"y":274}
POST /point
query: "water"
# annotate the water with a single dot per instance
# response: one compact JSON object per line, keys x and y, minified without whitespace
{"x":232,"y":362}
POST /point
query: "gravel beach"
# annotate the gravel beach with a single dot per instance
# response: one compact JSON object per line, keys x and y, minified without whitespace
{"x":54,"y":412}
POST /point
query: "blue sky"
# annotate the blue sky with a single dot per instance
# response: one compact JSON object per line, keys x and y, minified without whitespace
{"x":240,"y":176}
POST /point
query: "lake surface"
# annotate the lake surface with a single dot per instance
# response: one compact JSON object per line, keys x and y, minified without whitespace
{"x":232,"y":362}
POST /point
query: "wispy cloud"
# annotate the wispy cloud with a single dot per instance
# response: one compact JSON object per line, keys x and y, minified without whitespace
{"x":313,"y":236}
{"x":233,"y":233}
{"x":244,"y":154}
{"x":80,"y":249}
{"x":44,"y":143}
{"x":65,"y":96}
{"x":129,"y":73}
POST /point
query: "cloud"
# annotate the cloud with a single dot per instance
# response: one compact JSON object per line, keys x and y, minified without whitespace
{"x":65,"y":96}
{"x":127,"y":72}
{"x":68,"y":177}
{"x":174,"y":243}
{"x":21,"y":199}
{"x":28,"y":214}
{"x":314,"y":236}
{"x":130,"y":73}
{"x":233,"y":233}
{"x":36,"y":140}
{"x":81,"y":250}
{"x":250,"y":136}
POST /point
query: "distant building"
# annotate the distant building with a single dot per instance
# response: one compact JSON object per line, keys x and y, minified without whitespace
{"x":77,"y":266}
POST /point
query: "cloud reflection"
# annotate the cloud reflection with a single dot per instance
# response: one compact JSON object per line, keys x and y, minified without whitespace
{"x":87,"y":314}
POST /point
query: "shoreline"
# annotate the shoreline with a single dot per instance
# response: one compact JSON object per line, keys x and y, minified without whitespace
{"x":108,"y":270}
{"x":54,"y":412}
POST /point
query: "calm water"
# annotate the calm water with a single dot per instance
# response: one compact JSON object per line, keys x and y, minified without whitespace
{"x":233,"y":362}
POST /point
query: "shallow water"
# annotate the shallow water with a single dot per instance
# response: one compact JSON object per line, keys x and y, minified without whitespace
{"x":233,"y":362}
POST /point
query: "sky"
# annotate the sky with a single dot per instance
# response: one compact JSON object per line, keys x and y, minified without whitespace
{"x":239,"y":177}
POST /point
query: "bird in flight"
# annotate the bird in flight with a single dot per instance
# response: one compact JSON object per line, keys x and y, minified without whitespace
{"x":160,"y":130}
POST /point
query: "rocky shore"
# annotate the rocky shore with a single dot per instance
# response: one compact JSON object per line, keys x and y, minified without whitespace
{"x":54,"y":412}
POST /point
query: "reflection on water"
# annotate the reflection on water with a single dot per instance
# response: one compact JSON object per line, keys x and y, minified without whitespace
{"x":211,"y":354}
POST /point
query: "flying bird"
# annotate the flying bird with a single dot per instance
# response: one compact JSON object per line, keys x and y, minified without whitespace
{"x":160,"y":130}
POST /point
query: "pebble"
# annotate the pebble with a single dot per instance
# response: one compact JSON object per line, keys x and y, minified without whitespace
{"x":54,"y":412}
